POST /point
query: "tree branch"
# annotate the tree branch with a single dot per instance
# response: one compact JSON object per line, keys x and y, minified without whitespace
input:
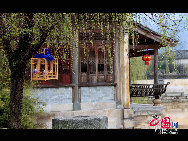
{"x":34,"y":48}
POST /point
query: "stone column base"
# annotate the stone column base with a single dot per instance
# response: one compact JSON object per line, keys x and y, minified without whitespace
{"x":128,"y":122}
{"x":156,"y":102}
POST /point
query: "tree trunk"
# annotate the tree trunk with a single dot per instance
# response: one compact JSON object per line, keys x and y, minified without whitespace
{"x":16,"y":95}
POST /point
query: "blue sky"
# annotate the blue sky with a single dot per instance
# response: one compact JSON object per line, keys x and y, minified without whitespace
{"x":182,"y":27}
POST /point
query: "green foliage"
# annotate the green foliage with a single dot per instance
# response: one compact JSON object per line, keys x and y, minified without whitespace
{"x":65,"y":27}
{"x":4,"y":106}
{"x":137,"y":69}
{"x":32,"y":108}
{"x":4,"y":70}
{"x":141,"y":100}
{"x":167,"y":62}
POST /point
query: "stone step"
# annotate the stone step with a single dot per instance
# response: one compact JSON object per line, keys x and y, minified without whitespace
{"x":146,"y":109}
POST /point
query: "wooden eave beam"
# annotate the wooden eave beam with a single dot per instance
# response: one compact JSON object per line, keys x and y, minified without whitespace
{"x":133,"y":53}
{"x":148,"y":34}
{"x":144,"y":47}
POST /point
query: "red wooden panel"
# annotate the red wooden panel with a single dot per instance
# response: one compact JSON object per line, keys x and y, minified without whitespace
{"x":66,"y":79}
{"x":45,"y":82}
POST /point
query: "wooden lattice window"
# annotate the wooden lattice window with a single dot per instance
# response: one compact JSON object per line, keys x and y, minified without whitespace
{"x":101,"y":60}
{"x":96,"y":65}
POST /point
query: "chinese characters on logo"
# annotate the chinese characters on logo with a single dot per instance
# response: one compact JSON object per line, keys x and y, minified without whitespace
{"x":165,"y":125}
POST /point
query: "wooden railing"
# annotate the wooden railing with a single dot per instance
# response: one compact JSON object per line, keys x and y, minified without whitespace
{"x":144,"y":90}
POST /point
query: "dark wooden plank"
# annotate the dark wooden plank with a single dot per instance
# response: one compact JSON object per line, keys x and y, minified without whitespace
{"x":134,"y":53}
{"x":144,"y":47}
{"x":96,"y":84}
{"x":54,"y":86}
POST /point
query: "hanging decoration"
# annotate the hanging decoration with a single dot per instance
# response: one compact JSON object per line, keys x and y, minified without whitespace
{"x":44,"y":66}
{"x":147,"y":58}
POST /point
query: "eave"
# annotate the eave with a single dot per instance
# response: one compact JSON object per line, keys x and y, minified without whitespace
{"x":147,"y":32}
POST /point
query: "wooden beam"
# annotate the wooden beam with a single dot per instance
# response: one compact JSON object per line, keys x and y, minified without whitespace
{"x":133,"y":53}
{"x":144,"y":47}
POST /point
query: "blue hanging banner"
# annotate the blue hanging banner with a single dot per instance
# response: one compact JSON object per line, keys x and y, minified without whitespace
{"x":46,"y":55}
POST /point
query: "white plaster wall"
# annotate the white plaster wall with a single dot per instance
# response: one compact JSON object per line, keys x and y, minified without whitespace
{"x":182,"y":61}
{"x":60,"y":99}
{"x":97,"y":94}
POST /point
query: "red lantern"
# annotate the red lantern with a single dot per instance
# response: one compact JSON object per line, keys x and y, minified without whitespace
{"x":146,"y":58}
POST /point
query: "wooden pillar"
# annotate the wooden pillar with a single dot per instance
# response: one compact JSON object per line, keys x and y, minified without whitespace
{"x":116,"y":69}
{"x":124,"y":71}
{"x":157,"y":100}
{"x":76,"y":100}
{"x":131,"y":98}
{"x":156,"y":66}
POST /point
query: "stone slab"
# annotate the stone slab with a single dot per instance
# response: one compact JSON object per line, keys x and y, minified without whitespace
{"x":146,"y":109}
{"x":80,"y":122}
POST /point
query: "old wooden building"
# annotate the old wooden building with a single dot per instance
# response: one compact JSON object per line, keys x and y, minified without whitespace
{"x":95,"y":75}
